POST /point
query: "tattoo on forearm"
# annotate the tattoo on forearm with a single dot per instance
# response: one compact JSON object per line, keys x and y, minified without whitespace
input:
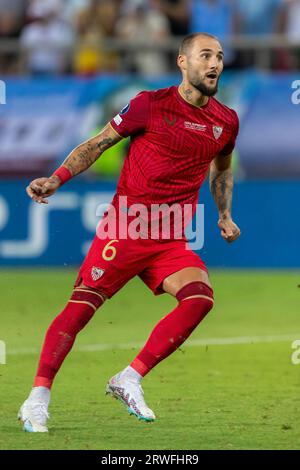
{"x":221,"y":186}
{"x":83,"y":156}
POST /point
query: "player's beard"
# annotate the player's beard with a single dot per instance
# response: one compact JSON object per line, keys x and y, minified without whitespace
{"x":199,"y":84}
{"x":204,"y":89}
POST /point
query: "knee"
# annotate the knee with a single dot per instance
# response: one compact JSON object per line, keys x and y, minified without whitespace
{"x":89,"y":296}
{"x":200,"y":293}
{"x":84,"y":288}
{"x":84,"y":302}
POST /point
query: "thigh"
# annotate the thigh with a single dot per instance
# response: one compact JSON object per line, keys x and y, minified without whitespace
{"x":173,"y":283}
{"x":173,"y":266}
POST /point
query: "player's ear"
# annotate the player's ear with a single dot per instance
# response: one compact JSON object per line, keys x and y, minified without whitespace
{"x":181,"y":61}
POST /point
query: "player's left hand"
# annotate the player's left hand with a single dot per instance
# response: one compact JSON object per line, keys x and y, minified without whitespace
{"x":229,"y":230}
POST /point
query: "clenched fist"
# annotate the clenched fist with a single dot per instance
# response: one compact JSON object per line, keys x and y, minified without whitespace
{"x":41,"y":188}
{"x":229,"y":230}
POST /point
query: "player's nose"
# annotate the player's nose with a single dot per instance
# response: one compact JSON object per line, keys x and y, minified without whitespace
{"x":214,"y":62}
{"x":213,"y":65}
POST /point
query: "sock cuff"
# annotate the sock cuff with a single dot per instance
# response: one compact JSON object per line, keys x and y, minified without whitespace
{"x":196,"y":288}
{"x":88,"y":296}
{"x":43,"y":382}
{"x":140,"y":367}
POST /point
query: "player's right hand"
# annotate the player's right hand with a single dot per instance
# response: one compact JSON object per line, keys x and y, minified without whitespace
{"x":41,"y":188}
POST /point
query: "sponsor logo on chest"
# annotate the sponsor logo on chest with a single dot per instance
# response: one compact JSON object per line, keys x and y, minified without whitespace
{"x":194,"y":126}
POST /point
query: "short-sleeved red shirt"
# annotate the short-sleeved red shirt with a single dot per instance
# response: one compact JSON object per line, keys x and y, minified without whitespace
{"x":172,"y":145}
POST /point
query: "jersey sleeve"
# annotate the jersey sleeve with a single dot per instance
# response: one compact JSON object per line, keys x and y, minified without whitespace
{"x":133,"y":118}
{"x":229,"y":147}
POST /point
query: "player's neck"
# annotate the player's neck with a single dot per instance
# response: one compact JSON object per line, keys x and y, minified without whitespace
{"x":192,"y":96}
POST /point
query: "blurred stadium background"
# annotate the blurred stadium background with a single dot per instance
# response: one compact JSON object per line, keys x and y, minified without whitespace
{"x":66,"y":68}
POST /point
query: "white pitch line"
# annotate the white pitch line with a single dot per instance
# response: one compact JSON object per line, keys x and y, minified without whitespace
{"x":194,"y":342}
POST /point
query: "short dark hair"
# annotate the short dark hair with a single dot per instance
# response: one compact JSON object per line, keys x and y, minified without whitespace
{"x":187,"y":42}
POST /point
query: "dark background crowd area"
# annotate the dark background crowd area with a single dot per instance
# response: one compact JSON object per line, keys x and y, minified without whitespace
{"x":86,"y":37}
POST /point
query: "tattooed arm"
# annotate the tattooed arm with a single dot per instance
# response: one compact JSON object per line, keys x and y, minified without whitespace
{"x":79,"y":160}
{"x":83,"y":156}
{"x":221,"y":186}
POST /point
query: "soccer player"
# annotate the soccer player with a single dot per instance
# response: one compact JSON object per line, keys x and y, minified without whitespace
{"x":177,"y":135}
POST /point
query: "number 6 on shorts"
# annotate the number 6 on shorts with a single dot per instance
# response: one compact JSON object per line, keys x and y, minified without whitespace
{"x":109,"y":249}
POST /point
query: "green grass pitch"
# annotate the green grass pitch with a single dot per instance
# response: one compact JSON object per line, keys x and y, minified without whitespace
{"x":206,"y":395}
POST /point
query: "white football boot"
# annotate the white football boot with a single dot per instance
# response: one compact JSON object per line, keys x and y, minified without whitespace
{"x":131,"y":394}
{"x":34,"y":411}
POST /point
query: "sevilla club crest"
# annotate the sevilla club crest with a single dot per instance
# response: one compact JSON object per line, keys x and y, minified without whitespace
{"x":96,"y":273}
{"x":217,"y":131}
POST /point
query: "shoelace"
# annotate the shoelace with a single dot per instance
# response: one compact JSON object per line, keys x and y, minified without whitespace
{"x":141,"y":399}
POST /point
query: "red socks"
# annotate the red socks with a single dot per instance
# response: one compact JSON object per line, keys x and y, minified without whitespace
{"x":195,"y":301}
{"x":62,"y":332}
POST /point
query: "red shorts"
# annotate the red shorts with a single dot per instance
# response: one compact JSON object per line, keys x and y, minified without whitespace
{"x":112,"y":262}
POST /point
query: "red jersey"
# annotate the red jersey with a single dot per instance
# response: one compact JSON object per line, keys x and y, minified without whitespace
{"x":172,"y":145}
